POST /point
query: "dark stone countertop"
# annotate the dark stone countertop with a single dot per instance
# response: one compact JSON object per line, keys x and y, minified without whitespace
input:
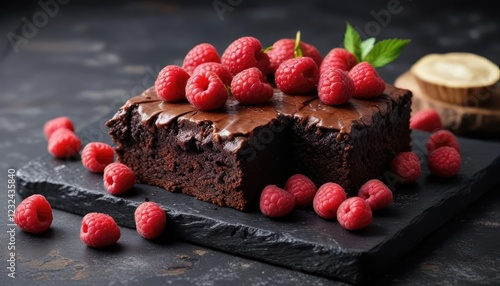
{"x":84,"y":60}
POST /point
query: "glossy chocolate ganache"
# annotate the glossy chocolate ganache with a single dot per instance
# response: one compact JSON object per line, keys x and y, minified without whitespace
{"x":241,"y":120}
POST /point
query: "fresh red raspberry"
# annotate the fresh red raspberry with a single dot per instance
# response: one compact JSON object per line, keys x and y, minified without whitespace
{"x":244,"y":53}
{"x":338,"y":58}
{"x":118,"y":178}
{"x":219,"y":69}
{"x":354,"y":213}
{"x":302,"y":189}
{"x":54,"y":124}
{"x":171,"y":84}
{"x":99,"y":230}
{"x":97,"y":155}
{"x":276,"y":202}
{"x":33,"y":214}
{"x":63,"y":143}
{"x":283,"y":50}
{"x":328,"y":199}
{"x":150,"y":220}
{"x":250,"y":87}
{"x":297,"y":76}
{"x":206,"y":91}
{"x":444,"y":162}
{"x":376,"y":194}
{"x":426,"y":120}
{"x":442,"y":138}
{"x":202,"y":53}
{"x":367,"y":82}
{"x":406,"y":166}
{"x":335,"y":87}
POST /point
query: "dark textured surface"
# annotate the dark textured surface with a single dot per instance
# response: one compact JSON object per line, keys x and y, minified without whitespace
{"x":303,"y":241}
{"x":87,"y":60}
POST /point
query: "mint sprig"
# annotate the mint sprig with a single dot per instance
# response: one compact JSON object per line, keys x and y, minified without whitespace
{"x":378,"y":54}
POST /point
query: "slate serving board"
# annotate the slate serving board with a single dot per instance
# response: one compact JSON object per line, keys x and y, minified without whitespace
{"x":303,"y":241}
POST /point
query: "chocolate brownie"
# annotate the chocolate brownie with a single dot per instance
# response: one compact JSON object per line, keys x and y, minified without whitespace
{"x":226,"y":157}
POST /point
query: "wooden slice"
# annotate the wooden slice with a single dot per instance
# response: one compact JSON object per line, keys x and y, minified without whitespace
{"x":462,"y":120}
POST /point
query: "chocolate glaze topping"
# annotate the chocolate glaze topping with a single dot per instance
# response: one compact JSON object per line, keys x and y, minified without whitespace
{"x":240,"y":120}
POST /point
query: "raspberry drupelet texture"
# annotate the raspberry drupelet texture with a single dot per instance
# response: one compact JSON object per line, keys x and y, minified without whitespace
{"x":328,"y":199}
{"x":150,"y":220}
{"x":406,"y":167}
{"x":444,"y":162}
{"x":338,"y":58}
{"x":33,"y":214}
{"x":218,"y":68}
{"x":206,"y":91}
{"x":244,"y":53}
{"x":99,"y":230}
{"x":250,"y":87}
{"x":283,"y":50}
{"x":367,"y":82}
{"x":63,"y":143}
{"x":297,"y":76}
{"x":96,"y":156}
{"x":426,"y":120}
{"x":302,"y":189}
{"x":442,"y":138}
{"x":118,"y":178}
{"x":54,"y":124}
{"x":170,"y":84}
{"x":199,"y":54}
{"x":335,"y":87}
{"x":376,"y":194}
{"x":276,"y":202}
{"x":354,"y":213}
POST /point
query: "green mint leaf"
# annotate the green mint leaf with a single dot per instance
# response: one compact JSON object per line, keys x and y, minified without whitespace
{"x":297,"y":51}
{"x":385,"y":52}
{"x":366,"y":46}
{"x":352,"y":41}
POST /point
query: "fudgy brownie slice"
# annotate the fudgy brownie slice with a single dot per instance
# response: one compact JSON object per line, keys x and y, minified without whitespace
{"x":352,"y":143}
{"x":224,"y":157}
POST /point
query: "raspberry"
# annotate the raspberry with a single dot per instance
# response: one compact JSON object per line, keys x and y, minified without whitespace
{"x":376,"y":194}
{"x":54,"y":124}
{"x":63,"y":143}
{"x":202,"y":53}
{"x":96,"y":156}
{"x":338,"y":58}
{"x":406,"y":166}
{"x":302,"y":189}
{"x":206,"y":91}
{"x":283,"y":50}
{"x":99,"y":230}
{"x":33,"y":214}
{"x":244,"y":53}
{"x":171,"y":84}
{"x":250,"y":87}
{"x":442,"y":138}
{"x":118,"y":178}
{"x":335,"y":87}
{"x":444,"y":162}
{"x":354,"y":213}
{"x":328,"y":199}
{"x":150,"y":220}
{"x":276,"y":202}
{"x":367,"y":82}
{"x":218,"y":68}
{"x":426,"y":120}
{"x":297,"y":76}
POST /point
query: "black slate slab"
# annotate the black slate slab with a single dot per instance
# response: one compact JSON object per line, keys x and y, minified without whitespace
{"x":303,"y":241}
